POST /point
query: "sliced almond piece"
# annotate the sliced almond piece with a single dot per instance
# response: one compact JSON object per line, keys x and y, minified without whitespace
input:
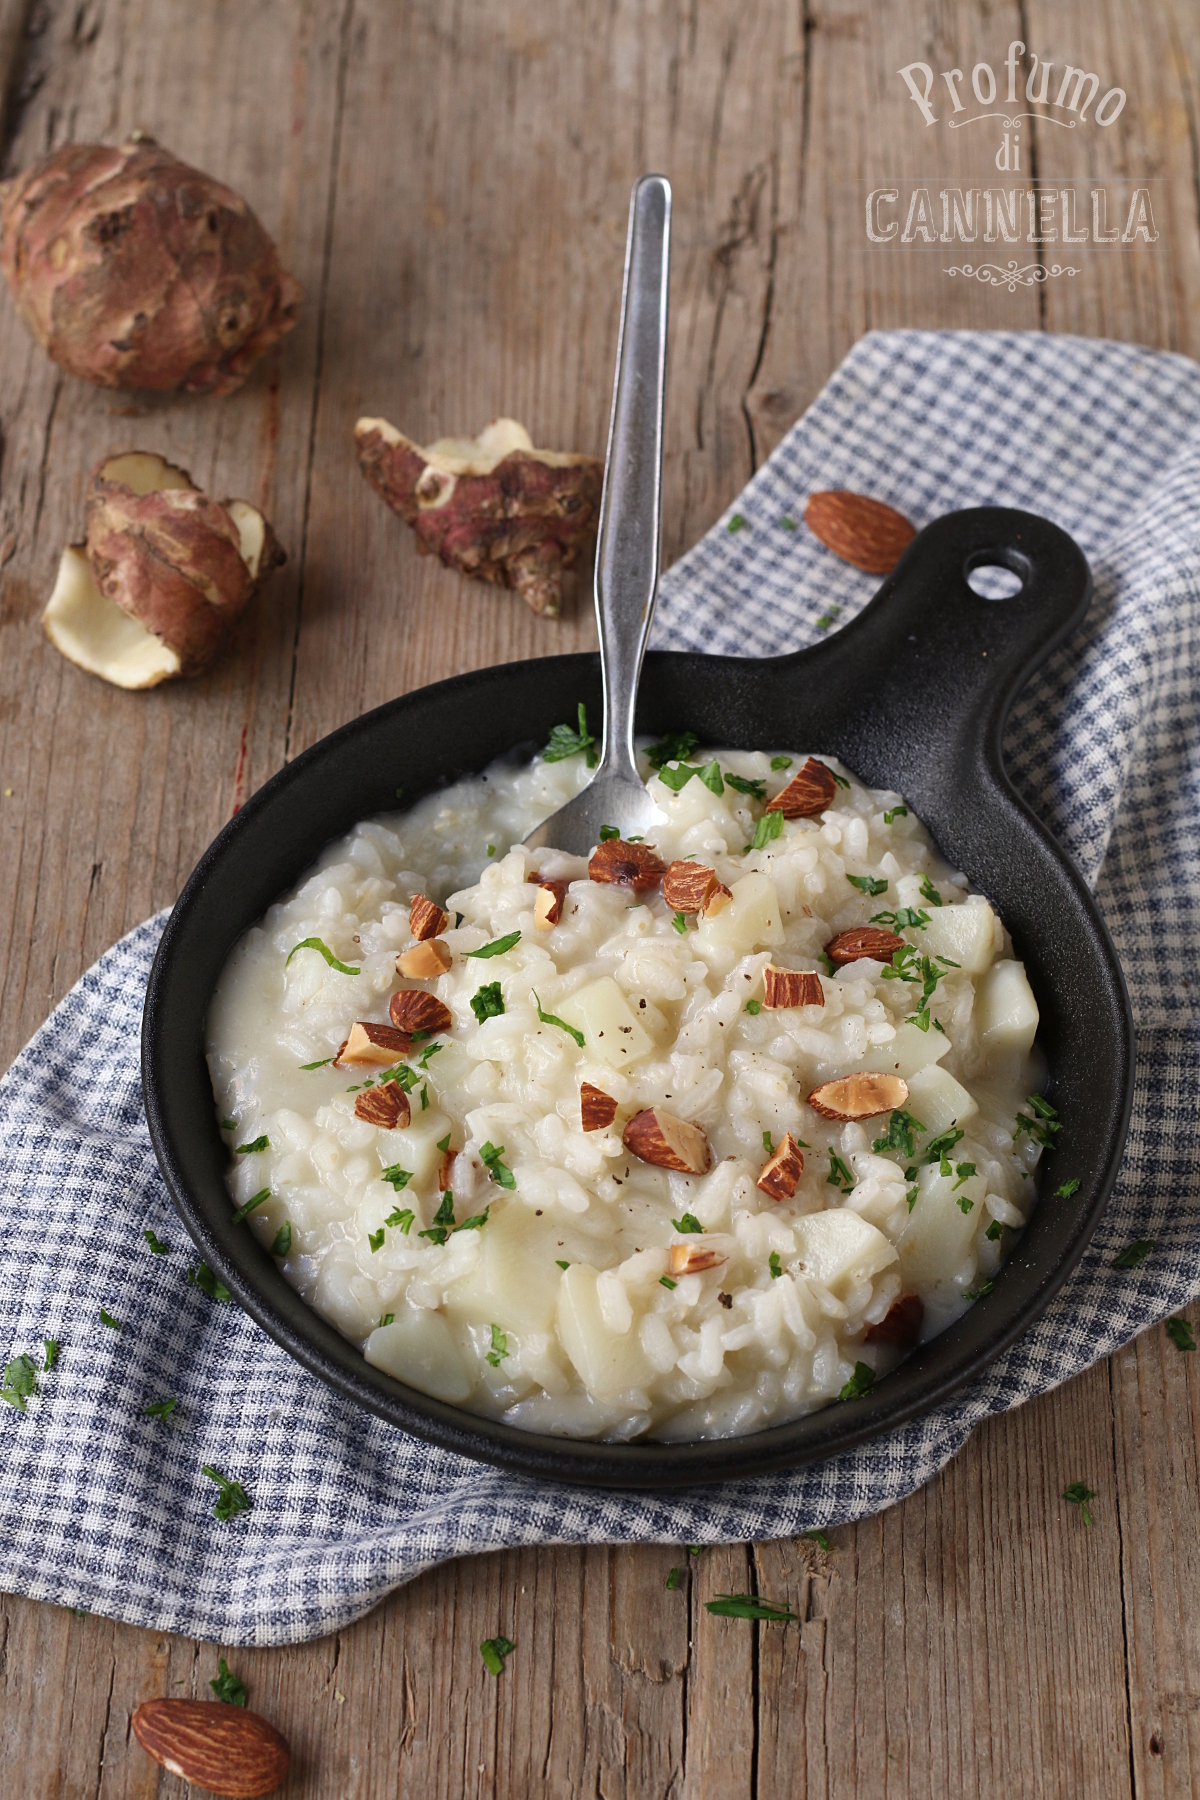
{"x":371,"y":1045}
{"x":222,"y":1749}
{"x":414,"y":1010}
{"x":548,"y":906}
{"x":597,"y":1109}
{"x":386,"y":1106}
{"x":688,"y":886}
{"x":425,"y":961}
{"x":860,"y":530}
{"x":863,"y":941}
{"x":792,"y":987}
{"x":692,"y":1259}
{"x":781,"y":1173}
{"x":629,"y":865}
{"x":902,"y":1325}
{"x":717,"y":901}
{"x":808,"y":793}
{"x":657,"y":1136}
{"x":859,"y":1096}
{"x":426,"y":919}
{"x":445,"y":1176}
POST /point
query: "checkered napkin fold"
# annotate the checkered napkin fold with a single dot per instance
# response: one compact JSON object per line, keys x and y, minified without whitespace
{"x":105,"y":1507}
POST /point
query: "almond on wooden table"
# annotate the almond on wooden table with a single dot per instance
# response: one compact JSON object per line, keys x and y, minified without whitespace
{"x":629,"y":865}
{"x":859,"y":1096}
{"x":861,"y":531}
{"x":597,"y":1109}
{"x":780,"y":1174}
{"x":693,"y":1259}
{"x":902,"y":1325}
{"x":426,"y":919}
{"x":387,"y":1106}
{"x":424,"y":961}
{"x":223,"y":1749}
{"x":657,"y":1136}
{"x":791,"y":987}
{"x":371,"y":1046}
{"x":548,"y":906}
{"x":808,"y":793}
{"x":862,"y":941}
{"x":413,"y":1010}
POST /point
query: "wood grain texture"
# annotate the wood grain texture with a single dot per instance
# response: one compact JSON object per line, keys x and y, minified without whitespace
{"x":450,"y":185}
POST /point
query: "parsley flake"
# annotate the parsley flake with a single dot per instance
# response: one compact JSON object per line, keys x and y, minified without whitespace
{"x":788,"y":524}
{"x":20,"y":1381}
{"x":490,"y":1156}
{"x":443,"y":1220}
{"x":488,"y":1003}
{"x":227,"y":1686}
{"x":499,"y":1349}
{"x":826,"y":619}
{"x":375,"y":1239}
{"x":243,"y":1212}
{"x":939,"y":1150}
{"x":497,"y":947}
{"x":228,"y":1124}
{"x":753,"y":1007}
{"x":994,"y":1232}
{"x":736,"y":523}
{"x":609,"y":831}
{"x":561,"y":1265}
{"x":1180,"y":1333}
{"x":710,"y":775}
{"x":980,"y":1292}
{"x":750,"y":1606}
{"x":895,"y":812}
{"x":156,"y":1244}
{"x":676,"y":746}
{"x":775,"y":1265}
{"x":840,"y":1173}
{"x":283,"y":1240}
{"x":1043,"y":1127}
{"x":493,"y":1651}
{"x":402,"y":1217}
{"x":315,"y":943}
{"x":769,"y":826}
{"x":688,"y":1223}
{"x":232,"y":1499}
{"x":680,"y":923}
{"x":665,"y":1281}
{"x":324,"y":1062}
{"x":476,"y":1222}
{"x":905,"y":918}
{"x":1066,"y":1190}
{"x":768,"y":1144}
{"x":251,"y":1149}
{"x":106,"y":1318}
{"x":860,"y":1383}
{"x":204,"y":1279}
{"x":387,"y":1319}
{"x":398,"y":1177}
{"x":677,"y":775}
{"x":819,"y":1537}
{"x":868,"y":884}
{"x":901,"y":1134}
{"x":548,"y":1019}
{"x":674,"y":1579}
{"x":443,"y":1143}
{"x":52,"y":1349}
{"x":160,"y":1409}
{"x":1079,"y":1494}
{"x":564,"y":742}
{"x":741,"y":784}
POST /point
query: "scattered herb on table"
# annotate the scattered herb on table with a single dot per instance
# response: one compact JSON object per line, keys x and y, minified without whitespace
{"x":156,"y":1244}
{"x":769,"y":826}
{"x":283,"y":1240}
{"x":1181,"y":1334}
{"x":549,"y":1019}
{"x":499,"y":1349}
{"x":688,"y":1223}
{"x":232,"y":1499}
{"x":826,"y":619}
{"x":868,"y":884}
{"x":106,"y":1318}
{"x":750,"y":1606}
{"x":20,"y":1381}
{"x":1134,"y":1253}
{"x":315,"y":943}
{"x":1079,"y":1494}
{"x":566,"y":742}
{"x":497,"y":947}
{"x":160,"y":1409}
{"x":488,"y":1003}
{"x":490,"y":1155}
{"x":259,"y":1143}
{"x":788,"y":524}
{"x":818,"y":1537}
{"x":208,"y":1283}
{"x":227,"y":1686}
{"x":52,"y":1348}
{"x":736,"y":523}
{"x":860,"y":1383}
{"x":493,"y":1651}
{"x":674,"y":1579}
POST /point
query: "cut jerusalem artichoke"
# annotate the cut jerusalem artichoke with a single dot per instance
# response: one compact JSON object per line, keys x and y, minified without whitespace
{"x":163,"y":577}
{"x":133,"y":270}
{"x":492,"y":507}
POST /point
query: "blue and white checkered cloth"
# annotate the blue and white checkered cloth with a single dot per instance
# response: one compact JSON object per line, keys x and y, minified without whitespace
{"x":106,"y":1508}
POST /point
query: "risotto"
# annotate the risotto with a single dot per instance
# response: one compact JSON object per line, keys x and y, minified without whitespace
{"x":680,"y":1140}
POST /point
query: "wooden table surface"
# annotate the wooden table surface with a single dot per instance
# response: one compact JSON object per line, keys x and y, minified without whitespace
{"x":450,"y":183}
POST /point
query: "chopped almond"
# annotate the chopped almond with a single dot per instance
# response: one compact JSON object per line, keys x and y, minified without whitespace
{"x":859,"y":1096}
{"x":425,"y":961}
{"x":548,"y":906}
{"x":717,"y":901}
{"x":426,"y":919}
{"x":371,"y":1044}
{"x":629,"y":865}
{"x":808,"y":793}
{"x":385,"y":1106}
{"x":597,"y":1109}
{"x":414,"y":1010}
{"x":691,"y":1259}
{"x":688,"y":886}
{"x":657,"y":1136}
{"x":446,"y":1170}
{"x":862,"y":941}
{"x":792,"y":987}
{"x":902,"y":1325}
{"x":779,"y":1176}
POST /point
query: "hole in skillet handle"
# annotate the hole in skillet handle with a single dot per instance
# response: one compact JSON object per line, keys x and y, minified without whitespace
{"x":998,"y":574}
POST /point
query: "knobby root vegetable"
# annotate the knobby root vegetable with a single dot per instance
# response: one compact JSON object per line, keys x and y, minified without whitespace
{"x":133,"y":270}
{"x":492,"y":507}
{"x":163,"y":578}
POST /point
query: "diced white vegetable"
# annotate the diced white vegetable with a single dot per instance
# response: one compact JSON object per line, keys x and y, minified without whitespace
{"x":516,"y":1279}
{"x":608,"y":1022}
{"x":908,"y":1052}
{"x":1006,"y":1013}
{"x":938,"y":1100}
{"x":965,"y":934}
{"x":840,"y":1249}
{"x":937,"y":1237}
{"x":418,"y":1347}
{"x":750,"y":922}
{"x":414,"y":1149}
{"x":607,"y":1362}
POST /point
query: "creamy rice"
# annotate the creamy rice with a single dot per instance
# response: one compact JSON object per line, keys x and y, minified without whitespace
{"x":554,"y":1300}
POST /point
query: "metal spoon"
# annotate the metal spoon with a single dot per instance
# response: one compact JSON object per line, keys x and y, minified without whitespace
{"x":627,"y":548}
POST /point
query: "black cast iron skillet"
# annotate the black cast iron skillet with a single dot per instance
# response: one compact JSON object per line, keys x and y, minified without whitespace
{"x":912,"y":695}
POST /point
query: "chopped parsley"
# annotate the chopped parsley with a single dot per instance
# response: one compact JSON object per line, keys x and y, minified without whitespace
{"x":1079,"y":1494}
{"x":488,"y":1003}
{"x":283,"y":1240}
{"x":204,"y":1279}
{"x":768,"y":1145}
{"x":243,"y":1212}
{"x":674,"y":1579}
{"x":994,"y":1232}
{"x":443,"y":1221}
{"x":251,"y":1149}
{"x":840,"y":779}
{"x":1043,"y":1127}
{"x":160,"y":1409}
{"x":398,"y":1177}
{"x":20,"y":1381}
{"x":827,"y":963}
{"x":315,"y":943}
{"x":676,"y":746}
{"x":232,"y":1499}
{"x":548,"y":1019}
{"x":52,"y":1349}
{"x":788,"y":524}
{"x":895,"y":812}
{"x":753,"y":1007}
{"x":156,"y":1244}
{"x":860,"y":1383}
{"x":476,"y":1222}
{"x":561,"y":1265}
{"x":1066,"y":1190}
{"x":401,"y":1216}
{"x":868,"y":884}
{"x":680,"y":923}
{"x":430,"y":1050}
{"x":840,"y":1175}
{"x":907,"y":918}
{"x":375,"y":1239}
{"x":325,"y":1060}
{"x":769,"y":826}
{"x":911,"y":1196}
{"x":227,"y":1686}
{"x":750,"y":1606}
{"x":929,"y":892}
{"x":901,"y":1134}
{"x":677,"y":775}
{"x":491,"y":849}
{"x":939,"y":1150}
{"x":741,"y":784}
{"x":387,"y":1319}
{"x":710,"y":775}
{"x":106,"y":1318}
{"x":493,"y":1651}
{"x":735,"y":523}
{"x":499,"y":1349}
{"x":775,"y":1265}
{"x":1180,"y":1334}
{"x":497,"y":947}
{"x":781,"y":762}
{"x":609,"y":831}
{"x":443,"y":1143}
{"x":665,"y":1281}
{"x":964,"y":1171}
{"x":826,"y":619}
{"x":228,"y":1124}
{"x":688,"y":1223}
{"x":818,"y":1537}
{"x":564,"y":742}
{"x":490,"y":1156}
{"x":425,"y":1098}
{"x":978,"y":1293}
{"x":906,"y":965}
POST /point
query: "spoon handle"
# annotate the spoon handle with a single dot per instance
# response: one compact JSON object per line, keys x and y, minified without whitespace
{"x":627,"y":548}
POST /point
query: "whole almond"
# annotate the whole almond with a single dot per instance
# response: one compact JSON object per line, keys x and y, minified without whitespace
{"x":792,"y":987}
{"x":387,"y":1106}
{"x":629,"y":865}
{"x":657,"y":1136}
{"x":426,"y":919}
{"x":861,"y":941}
{"x":781,"y":1173}
{"x":413,"y":1010}
{"x":223,"y":1749}
{"x":597,"y":1109}
{"x":371,"y":1045}
{"x":689,"y":886}
{"x":902,"y":1325}
{"x":858,"y":1096}
{"x":861,"y":531}
{"x":808,"y":793}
